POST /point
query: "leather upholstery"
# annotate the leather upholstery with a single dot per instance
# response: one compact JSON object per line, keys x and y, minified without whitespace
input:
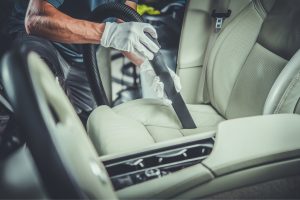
{"x":284,"y":95}
{"x":267,"y":5}
{"x":281,"y":29}
{"x":143,"y":122}
{"x":247,"y":61}
{"x":297,"y":109}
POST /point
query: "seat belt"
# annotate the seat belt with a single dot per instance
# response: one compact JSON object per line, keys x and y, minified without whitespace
{"x":219,"y":14}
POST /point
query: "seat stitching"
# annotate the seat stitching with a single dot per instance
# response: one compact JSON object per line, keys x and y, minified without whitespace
{"x":260,"y":9}
{"x":269,"y":97}
{"x":180,"y":131}
{"x":234,"y":85}
{"x":146,"y":127}
{"x":160,"y":126}
{"x":163,"y":127}
{"x":217,"y":53}
{"x":158,"y":105}
{"x":286,"y":93}
{"x":222,"y":43}
{"x":151,"y":102}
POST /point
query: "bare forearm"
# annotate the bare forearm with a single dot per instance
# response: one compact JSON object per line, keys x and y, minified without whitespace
{"x":68,"y":31}
{"x":46,"y":21}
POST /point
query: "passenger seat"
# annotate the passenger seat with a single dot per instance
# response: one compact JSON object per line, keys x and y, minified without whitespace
{"x":253,"y":69}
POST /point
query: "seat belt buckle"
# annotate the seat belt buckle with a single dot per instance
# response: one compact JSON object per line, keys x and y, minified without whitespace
{"x":219,"y":24}
{"x":220,"y":17}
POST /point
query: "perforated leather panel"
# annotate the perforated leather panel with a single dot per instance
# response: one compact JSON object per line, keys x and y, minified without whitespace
{"x":249,"y":55}
{"x":254,"y":83}
{"x":229,"y":55}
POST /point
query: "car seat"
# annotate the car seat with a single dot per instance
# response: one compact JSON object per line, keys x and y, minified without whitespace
{"x":253,"y":69}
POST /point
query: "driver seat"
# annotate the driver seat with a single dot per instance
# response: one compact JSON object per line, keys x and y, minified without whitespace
{"x":253,"y":69}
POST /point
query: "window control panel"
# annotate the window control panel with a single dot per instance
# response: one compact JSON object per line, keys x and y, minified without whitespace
{"x":138,"y":168}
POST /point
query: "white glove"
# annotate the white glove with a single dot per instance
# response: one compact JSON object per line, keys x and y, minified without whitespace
{"x":130,"y":37}
{"x":151,"y":80}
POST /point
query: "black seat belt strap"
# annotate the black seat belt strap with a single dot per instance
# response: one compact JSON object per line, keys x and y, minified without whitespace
{"x":161,"y":69}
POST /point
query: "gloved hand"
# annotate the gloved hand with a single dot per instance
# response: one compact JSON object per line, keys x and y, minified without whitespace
{"x":130,"y":37}
{"x":151,"y":80}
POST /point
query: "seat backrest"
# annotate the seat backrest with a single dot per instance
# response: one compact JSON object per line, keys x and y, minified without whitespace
{"x":250,"y":54}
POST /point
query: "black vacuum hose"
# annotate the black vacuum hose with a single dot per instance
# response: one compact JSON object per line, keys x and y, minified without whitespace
{"x":127,"y":14}
{"x":100,"y":14}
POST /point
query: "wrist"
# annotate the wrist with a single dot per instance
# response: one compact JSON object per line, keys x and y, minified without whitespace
{"x":107,"y":34}
{"x":101,"y":29}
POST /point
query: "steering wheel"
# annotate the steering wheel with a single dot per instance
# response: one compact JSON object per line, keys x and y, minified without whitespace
{"x":65,"y":157}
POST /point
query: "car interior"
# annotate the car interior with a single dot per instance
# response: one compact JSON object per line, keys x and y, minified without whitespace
{"x":232,"y":132}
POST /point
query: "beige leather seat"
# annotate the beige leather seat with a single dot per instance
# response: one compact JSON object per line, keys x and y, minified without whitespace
{"x":253,"y":69}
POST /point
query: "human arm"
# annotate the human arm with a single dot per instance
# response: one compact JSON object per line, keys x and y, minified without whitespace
{"x":44,"y":20}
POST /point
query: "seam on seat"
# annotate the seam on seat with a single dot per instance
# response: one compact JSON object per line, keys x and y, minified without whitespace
{"x":147,"y":101}
{"x":247,"y":10}
{"x":181,"y":132}
{"x":260,"y":9}
{"x":198,"y":129}
{"x":146,"y":127}
{"x":270,"y":50}
{"x":145,"y":104}
{"x":286,"y":93}
{"x":213,"y":111}
{"x":221,"y":115}
{"x":146,"y":122}
{"x":160,"y":126}
{"x":192,"y":109}
{"x":163,"y":127}
{"x":236,"y":80}
{"x":296,"y":107}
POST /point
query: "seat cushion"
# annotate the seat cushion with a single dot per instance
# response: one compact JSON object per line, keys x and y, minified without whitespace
{"x":141,"y":123}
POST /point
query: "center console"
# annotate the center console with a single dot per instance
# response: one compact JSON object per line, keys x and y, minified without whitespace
{"x":141,"y":167}
{"x":247,"y":151}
